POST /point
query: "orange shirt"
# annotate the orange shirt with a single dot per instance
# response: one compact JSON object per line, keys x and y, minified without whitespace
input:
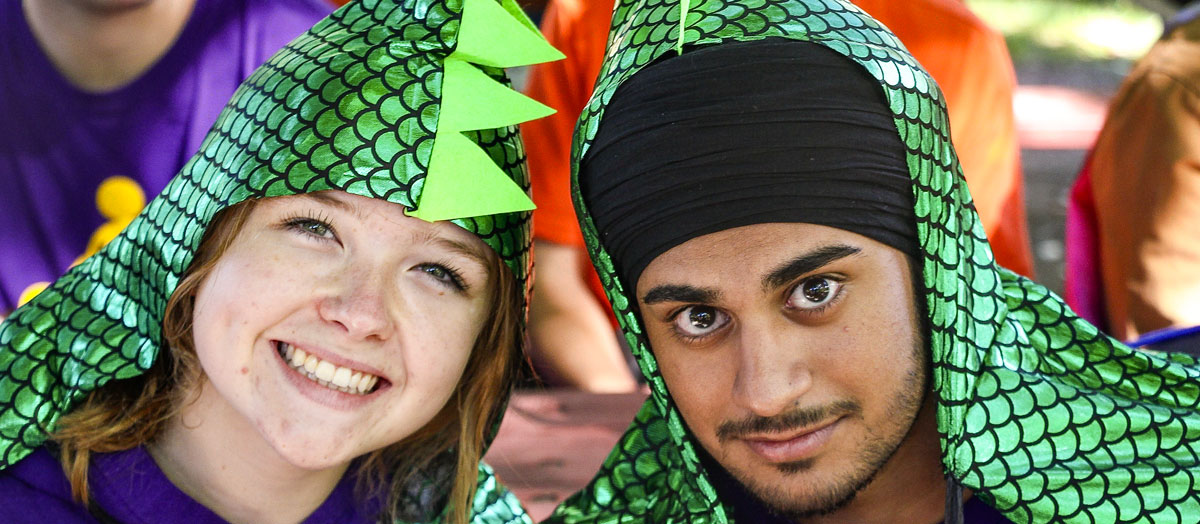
{"x":970,"y":62}
{"x":578,"y":28}
{"x":1145,"y":190}
{"x":967,"y":59}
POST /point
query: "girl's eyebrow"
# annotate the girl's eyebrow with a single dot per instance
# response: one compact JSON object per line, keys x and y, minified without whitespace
{"x":328,"y":198}
{"x":467,"y":249}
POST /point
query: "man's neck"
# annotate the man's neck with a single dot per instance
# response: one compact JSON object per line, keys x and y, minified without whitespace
{"x":216,"y":456}
{"x":909,"y":488}
{"x":102,"y":48}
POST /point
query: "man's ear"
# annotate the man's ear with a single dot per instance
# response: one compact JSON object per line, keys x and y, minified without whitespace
{"x":920,"y":302}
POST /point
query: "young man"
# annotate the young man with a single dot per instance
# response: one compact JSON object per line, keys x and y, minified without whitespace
{"x":769,"y":194}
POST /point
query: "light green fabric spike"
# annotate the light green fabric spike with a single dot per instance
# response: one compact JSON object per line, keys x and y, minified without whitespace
{"x":501,"y":36}
{"x":476,"y":191}
{"x":356,"y":104}
{"x":461,"y":180}
{"x":475,"y":101}
{"x":1041,"y":415}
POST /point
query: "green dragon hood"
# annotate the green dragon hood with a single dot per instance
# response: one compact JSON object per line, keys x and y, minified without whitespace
{"x":401,"y":100}
{"x":1040,"y":414}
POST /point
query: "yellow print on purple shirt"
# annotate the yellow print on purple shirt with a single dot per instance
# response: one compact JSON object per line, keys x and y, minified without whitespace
{"x":119,"y":199}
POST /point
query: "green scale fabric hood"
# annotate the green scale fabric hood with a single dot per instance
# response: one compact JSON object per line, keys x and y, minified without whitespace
{"x":401,"y":100}
{"x":1044,"y":417}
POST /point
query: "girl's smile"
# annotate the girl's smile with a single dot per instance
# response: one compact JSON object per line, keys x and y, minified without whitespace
{"x":349,"y":379}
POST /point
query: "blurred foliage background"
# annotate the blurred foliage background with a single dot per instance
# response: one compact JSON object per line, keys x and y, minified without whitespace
{"x":1071,"y":29}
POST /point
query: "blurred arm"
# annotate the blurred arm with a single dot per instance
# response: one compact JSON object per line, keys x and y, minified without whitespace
{"x":573,"y":338}
{"x":571,"y":333}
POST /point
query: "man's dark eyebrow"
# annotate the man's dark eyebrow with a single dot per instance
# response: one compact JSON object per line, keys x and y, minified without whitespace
{"x":680,"y":293}
{"x":806,"y":263}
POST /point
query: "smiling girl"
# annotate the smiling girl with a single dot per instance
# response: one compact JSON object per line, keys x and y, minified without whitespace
{"x":318,"y":319}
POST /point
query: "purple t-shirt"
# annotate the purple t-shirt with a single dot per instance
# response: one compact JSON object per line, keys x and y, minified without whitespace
{"x":58,"y":143}
{"x":128,"y":487}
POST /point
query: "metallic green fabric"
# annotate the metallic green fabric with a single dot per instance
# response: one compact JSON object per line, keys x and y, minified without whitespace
{"x":1041,"y":415}
{"x":353,"y":105}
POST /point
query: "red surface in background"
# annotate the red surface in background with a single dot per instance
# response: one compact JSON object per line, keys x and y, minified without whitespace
{"x":551,"y":443}
{"x":1056,"y":117}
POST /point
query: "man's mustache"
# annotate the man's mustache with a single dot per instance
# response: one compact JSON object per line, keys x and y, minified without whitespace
{"x":799,"y":418}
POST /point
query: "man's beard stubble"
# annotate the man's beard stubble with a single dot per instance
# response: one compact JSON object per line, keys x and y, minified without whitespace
{"x":875,"y":453}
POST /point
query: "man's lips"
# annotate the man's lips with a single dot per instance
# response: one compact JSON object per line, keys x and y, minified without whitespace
{"x":792,"y":446}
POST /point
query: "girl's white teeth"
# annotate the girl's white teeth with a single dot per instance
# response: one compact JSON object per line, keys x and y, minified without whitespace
{"x":296,"y":357}
{"x":325,"y":373}
{"x":341,"y":378}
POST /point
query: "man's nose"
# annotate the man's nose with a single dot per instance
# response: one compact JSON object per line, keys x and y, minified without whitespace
{"x":358,"y":303}
{"x":772,"y":368}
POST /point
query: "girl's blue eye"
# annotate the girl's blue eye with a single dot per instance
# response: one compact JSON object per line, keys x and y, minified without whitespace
{"x":311,"y":226}
{"x":444,"y":275}
{"x":316,"y":228}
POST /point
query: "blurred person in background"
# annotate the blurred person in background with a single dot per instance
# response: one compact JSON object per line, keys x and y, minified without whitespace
{"x":1133,"y":257}
{"x":573,"y":333}
{"x":103,"y":101}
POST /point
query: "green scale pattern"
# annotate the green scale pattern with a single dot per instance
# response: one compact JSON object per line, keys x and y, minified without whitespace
{"x":1044,"y":417}
{"x":351,"y":105}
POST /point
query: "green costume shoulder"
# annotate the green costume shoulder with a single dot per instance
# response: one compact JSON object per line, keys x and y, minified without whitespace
{"x":401,"y":100}
{"x":1040,"y":414}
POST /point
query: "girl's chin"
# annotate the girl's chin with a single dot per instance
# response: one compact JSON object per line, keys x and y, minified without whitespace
{"x":315,"y":461}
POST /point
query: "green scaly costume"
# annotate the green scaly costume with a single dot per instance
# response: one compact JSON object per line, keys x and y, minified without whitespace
{"x":402,"y":100}
{"x":1044,"y":417}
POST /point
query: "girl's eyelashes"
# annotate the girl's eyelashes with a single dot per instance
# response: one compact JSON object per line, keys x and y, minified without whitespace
{"x":815,"y":294}
{"x":312,"y":225}
{"x":445,"y":274}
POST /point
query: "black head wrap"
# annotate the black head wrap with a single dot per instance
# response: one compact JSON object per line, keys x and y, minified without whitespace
{"x":745,"y":133}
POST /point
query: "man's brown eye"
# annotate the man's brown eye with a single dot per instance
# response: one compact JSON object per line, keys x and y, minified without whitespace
{"x":815,"y":292}
{"x":702,"y":317}
{"x":815,"y":289}
{"x":699,"y":321}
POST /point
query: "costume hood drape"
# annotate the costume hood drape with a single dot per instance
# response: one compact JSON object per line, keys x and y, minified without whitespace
{"x":401,"y":100}
{"x":1040,"y":414}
